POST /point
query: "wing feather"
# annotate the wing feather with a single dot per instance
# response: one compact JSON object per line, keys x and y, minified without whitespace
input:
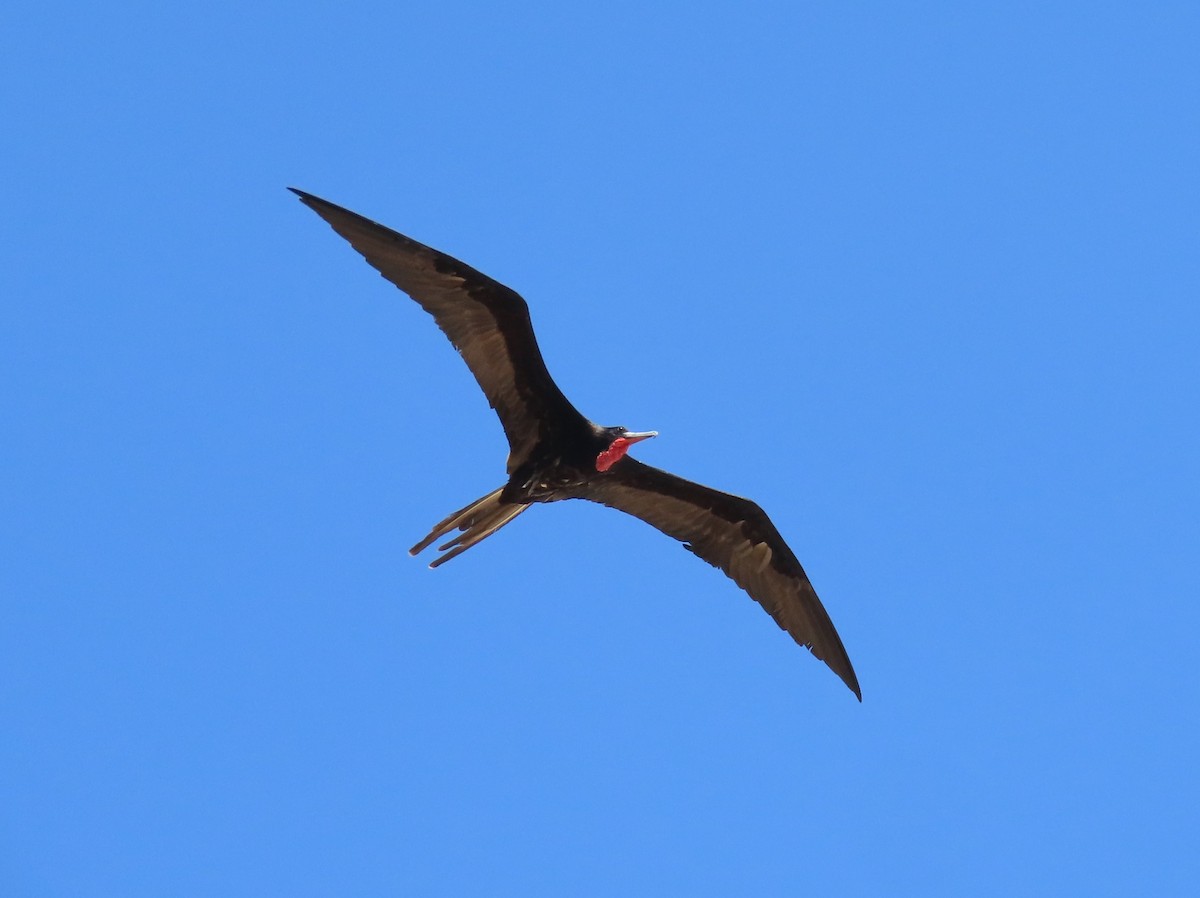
{"x":735,"y":535}
{"x":486,"y":322}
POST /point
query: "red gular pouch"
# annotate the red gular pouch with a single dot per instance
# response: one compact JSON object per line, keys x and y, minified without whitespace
{"x":617,"y":450}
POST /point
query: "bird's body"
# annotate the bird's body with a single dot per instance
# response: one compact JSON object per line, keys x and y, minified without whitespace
{"x":556,"y":453}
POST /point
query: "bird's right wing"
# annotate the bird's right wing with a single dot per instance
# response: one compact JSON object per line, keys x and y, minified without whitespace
{"x":487,"y":322}
{"x":735,"y":535}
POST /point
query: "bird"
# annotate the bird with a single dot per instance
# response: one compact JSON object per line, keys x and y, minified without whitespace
{"x":556,"y":453}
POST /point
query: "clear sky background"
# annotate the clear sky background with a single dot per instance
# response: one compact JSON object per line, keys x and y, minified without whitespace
{"x":921,"y":279}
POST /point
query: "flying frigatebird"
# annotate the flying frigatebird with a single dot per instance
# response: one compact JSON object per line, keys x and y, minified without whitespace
{"x":556,"y":453}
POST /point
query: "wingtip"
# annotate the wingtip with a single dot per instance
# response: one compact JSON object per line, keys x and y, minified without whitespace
{"x":852,"y":682}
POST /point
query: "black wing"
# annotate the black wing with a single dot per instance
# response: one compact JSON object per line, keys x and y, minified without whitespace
{"x":487,"y":322}
{"x":735,"y":535}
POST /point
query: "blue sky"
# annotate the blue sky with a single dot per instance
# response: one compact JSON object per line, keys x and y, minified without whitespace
{"x":920,"y":279}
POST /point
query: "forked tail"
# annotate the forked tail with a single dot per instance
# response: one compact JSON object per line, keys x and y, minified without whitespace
{"x":478,"y":521}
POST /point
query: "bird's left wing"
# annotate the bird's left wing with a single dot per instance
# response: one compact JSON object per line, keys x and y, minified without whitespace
{"x":735,"y":535}
{"x":487,"y":322}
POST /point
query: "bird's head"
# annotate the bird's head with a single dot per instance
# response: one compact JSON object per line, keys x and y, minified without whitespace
{"x":616,"y":442}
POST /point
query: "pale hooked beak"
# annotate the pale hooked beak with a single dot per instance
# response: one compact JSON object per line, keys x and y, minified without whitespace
{"x":638,"y":437}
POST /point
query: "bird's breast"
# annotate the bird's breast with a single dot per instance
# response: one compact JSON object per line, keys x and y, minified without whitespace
{"x":546,"y":483}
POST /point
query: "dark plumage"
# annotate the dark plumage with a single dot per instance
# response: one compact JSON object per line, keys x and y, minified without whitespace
{"x":556,"y":453}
